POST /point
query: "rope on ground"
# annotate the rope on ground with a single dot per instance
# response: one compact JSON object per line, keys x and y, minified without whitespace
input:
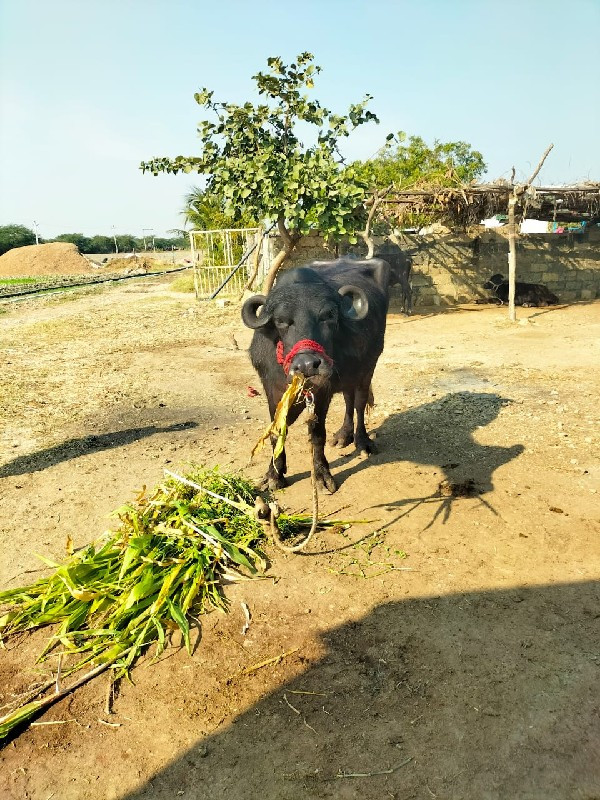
{"x":262,"y":509}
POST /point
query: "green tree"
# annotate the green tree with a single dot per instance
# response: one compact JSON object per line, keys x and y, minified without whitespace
{"x":255,"y":162}
{"x":166,"y":244}
{"x":15,"y":236}
{"x":102,"y":244}
{"x":409,"y":162}
{"x":206,"y":212}
{"x":404,"y":163}
{"x":180,"y":242}
{"x":78,"y":239}
{"x":126,"y":243}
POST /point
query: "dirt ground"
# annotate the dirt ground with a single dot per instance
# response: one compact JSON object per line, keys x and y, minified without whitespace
{"x":454,"y":655}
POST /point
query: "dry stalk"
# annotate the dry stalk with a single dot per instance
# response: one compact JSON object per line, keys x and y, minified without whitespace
{"x":267,"y":662}
{"x":374,"y":773}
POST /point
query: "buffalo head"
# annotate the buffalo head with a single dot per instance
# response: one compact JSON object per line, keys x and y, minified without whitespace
{"x":304,"y":315}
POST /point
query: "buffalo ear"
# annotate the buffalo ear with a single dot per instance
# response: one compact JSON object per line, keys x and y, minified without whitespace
{"x":356,"y":304}
{"x":250,"y":309}
{"x":379,"y":269}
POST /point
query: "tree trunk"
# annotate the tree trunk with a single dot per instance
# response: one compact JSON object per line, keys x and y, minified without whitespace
{"x":372,"y":205}
{"x":257,"y":257}
{"x":290,"y":240}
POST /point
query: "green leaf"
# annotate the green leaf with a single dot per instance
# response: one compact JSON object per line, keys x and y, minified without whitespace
{"x":9,"y":722}
{"x":142,"y":588}
{"x":179,"y":617}
{"x":160,"y":631}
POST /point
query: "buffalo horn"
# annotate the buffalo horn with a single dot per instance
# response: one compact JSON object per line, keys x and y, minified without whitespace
{"x":358,"y":307}
{"x":250,"y":312}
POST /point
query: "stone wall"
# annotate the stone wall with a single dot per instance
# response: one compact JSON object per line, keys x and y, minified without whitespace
{"x":449,"y":268}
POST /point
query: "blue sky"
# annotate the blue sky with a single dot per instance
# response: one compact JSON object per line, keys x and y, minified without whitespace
{"x":89,"y":88}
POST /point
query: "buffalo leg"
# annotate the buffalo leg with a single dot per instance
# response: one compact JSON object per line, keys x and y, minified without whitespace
{"x":406,"y":296}
{"x":345,"y":435}
{"x":318,"y":435}
{"x":361,"y":437}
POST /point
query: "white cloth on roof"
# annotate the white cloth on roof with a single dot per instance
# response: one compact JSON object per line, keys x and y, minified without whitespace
{"x":492,"y":222}
{"x":534,"y":226}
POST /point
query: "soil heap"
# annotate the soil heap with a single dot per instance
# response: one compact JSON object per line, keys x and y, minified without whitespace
{"x":55,"y":258}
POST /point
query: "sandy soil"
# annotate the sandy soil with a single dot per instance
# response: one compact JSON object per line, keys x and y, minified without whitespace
{"x":466,"y":668}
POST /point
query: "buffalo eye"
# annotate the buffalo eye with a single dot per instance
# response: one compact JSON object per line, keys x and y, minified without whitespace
{"x":282,"y":322}
{"x":329,"y":316}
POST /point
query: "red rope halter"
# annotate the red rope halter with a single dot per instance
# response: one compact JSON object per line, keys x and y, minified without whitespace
{"x":303,"y":344}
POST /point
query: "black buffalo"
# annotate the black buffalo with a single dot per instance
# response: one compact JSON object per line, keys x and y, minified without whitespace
{"x":327,"y":322}
{"x":400,"y":272}
{"x":526,"y":294}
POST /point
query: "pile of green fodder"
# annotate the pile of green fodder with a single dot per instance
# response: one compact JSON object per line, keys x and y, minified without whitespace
{"x":113,"y":599}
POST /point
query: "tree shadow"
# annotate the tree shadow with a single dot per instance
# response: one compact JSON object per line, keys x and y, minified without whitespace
{"x":439,"y":434}
{"x":74,"y":448}
{"x":485,"y":694}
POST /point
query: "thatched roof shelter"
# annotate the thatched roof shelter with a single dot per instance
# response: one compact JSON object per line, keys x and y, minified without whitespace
{"x":468,"y":205}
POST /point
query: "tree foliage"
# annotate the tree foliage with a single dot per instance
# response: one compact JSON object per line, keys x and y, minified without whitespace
{"x":101,"y":244}
{"x":18,"y":236}
{"x":126,"y":243}
{"x":206,"y":212}
{"x":83,"y":243}
{"x":15,"y":236}
{"x":410,"y":162}
{"x":255,"y":162}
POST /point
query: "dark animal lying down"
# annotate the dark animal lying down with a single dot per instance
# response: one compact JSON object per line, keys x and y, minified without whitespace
{"x":325,"y":321}
{"x":526,"y":294}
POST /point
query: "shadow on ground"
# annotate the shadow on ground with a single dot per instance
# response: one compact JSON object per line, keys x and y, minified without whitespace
{"x":438,"y":434}
{"x":74,"y":448}
{"x":484,"y":695}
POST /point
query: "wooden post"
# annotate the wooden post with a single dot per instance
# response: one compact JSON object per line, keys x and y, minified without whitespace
{"x":512,"y":256}
{"x":517,"y":192}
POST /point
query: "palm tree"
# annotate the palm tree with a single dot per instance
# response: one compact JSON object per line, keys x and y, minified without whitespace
{"x":205,"y":213}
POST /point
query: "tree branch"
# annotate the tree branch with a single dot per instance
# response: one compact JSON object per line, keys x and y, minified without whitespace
{"x":539,"y":166}
{"x":365,"y":235}
{"x":290,"y":240}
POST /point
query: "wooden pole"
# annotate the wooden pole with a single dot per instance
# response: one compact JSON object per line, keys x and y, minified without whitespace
{"x":512,"y":256}
{"x":512,"y":233}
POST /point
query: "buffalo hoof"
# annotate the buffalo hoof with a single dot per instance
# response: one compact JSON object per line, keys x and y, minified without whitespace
{"x":343,"y":438}
{"x":273,"y":481}
{"x":364,"y":445}
{"x":325,"y":480}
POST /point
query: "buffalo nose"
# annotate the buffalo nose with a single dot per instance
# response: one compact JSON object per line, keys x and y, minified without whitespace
{"x":306,"y":363}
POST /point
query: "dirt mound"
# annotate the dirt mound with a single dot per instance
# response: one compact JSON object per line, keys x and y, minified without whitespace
{"x":55,"y":258}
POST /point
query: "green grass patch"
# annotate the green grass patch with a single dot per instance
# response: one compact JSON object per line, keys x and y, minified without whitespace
{"x":183,"y":283}
{"x":18,"y":281}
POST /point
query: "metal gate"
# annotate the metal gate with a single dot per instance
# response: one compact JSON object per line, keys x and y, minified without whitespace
{"x":225,"y":259}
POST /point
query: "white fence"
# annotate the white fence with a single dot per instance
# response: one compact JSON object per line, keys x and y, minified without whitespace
{"x":225,"y":260}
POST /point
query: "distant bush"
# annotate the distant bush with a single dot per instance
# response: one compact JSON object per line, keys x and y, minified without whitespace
{"x":15,"y":236}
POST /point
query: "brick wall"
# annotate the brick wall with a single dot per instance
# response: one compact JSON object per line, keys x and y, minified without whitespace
{"x":450,"y":268}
